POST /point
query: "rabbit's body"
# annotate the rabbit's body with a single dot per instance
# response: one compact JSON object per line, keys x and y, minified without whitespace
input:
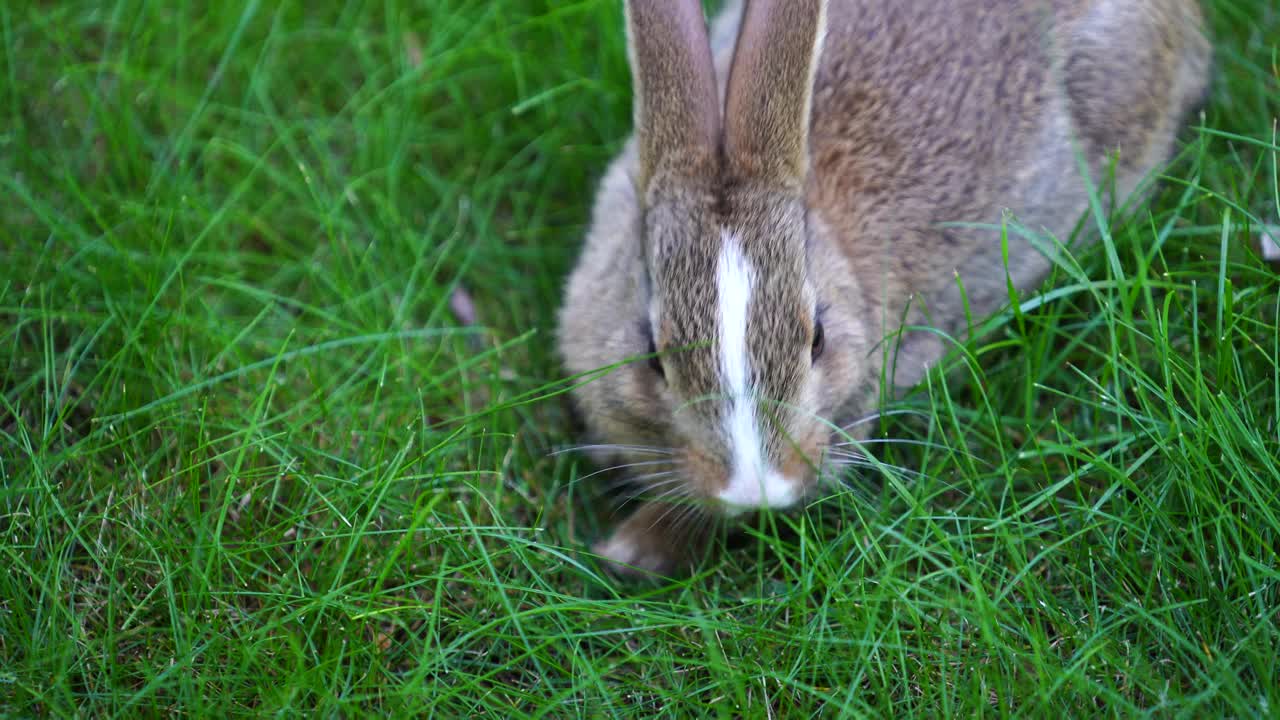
{"x":857,"y":215}
{"x":952,"y":116}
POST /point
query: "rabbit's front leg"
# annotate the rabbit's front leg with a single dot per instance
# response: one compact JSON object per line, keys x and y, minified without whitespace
{"x":657,"y":539}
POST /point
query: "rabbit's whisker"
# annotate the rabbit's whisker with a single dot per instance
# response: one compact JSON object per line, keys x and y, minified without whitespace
{"x":642,"y":449}
{"x":861,"y":461}
{"x":882,"y":414}
{"x":624,"y":466}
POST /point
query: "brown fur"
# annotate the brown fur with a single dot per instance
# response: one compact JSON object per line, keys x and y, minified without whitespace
{"x":920,"y":114}
{"x":676,"y":116}
{"x":769,"y":92}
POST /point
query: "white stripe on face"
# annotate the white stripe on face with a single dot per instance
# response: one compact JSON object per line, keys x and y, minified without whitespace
{"x":752,"y":483}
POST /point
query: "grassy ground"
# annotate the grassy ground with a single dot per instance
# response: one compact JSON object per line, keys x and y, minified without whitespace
{"x":251,"y":461}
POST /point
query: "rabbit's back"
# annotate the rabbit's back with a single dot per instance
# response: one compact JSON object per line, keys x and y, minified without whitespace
{"x":931,"y":115}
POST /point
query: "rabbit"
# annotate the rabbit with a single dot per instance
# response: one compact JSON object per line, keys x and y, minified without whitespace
{"x":807,"y":178}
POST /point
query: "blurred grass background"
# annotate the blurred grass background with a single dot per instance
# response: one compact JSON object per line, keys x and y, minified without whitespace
{"x":253,"y":462}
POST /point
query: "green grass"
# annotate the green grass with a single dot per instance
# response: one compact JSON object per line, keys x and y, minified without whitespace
{"x":252,"y":463}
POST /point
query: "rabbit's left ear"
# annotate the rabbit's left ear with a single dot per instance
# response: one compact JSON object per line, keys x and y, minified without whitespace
{"x":770,"y":90}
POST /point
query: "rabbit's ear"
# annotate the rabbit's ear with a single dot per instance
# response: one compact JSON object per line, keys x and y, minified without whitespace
{"x":676,"y":106}
{"x":770,"y":89}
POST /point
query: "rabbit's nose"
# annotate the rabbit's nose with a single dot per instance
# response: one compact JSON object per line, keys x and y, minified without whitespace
{"x":757,"y":488}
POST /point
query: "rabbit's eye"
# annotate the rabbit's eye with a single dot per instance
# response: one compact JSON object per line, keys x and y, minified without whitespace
{"x":655,"y":362}
{"x":819,"y":341}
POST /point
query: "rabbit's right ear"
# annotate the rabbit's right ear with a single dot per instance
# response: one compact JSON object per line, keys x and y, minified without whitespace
{"x":676,"y":106}
{"x":770,"y":89}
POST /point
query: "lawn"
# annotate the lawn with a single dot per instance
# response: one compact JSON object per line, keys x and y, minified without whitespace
{"x":256,"y":458}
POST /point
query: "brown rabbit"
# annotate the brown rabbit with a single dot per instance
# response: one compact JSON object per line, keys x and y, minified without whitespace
{"x":791,"y":198}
